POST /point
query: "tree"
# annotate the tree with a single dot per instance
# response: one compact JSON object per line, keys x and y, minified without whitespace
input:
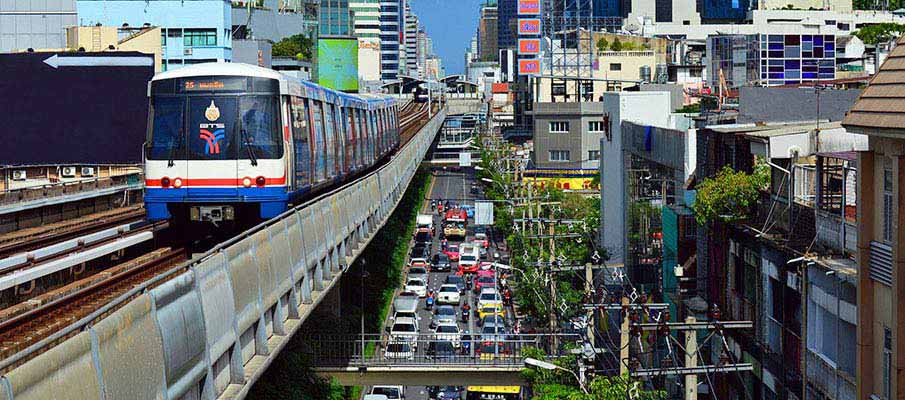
{"x":298,"y":46}
{"x":884,"y":32}
{"x":730,"y":194}
{"x":617,"y":45}
{"x":602,"y":44}
{"x":561,"y":385}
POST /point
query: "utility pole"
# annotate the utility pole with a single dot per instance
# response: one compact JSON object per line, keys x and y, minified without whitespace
{"x":691,"y":361}
{"x":623,"y":340}
{"x":591,"y":322}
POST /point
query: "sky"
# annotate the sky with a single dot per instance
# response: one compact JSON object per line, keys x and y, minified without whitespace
{"x":451,"y":24}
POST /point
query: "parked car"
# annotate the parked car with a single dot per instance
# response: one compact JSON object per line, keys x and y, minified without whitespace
{"x":417,"y":286}
{"x":443,"y":315}
{"x":406,"y":302}
{"x":399,"y":350}
{"x":441,"y":263}
{"x":450,"y":332}
{"x":452,"y":251}
{"x":448,"y":294}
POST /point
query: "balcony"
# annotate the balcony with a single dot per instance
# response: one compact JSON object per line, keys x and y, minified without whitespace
{"x":836,"y":232}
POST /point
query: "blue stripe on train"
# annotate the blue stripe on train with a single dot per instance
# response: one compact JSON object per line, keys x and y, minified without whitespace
{"x":273,"y":200}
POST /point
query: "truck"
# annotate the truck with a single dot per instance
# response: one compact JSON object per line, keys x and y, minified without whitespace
{"x":425,"y":221}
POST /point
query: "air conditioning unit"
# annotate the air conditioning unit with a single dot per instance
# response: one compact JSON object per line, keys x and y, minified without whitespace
{"x":87,"y":171}
{"x":187,"y":51}
{"x":20,"y":175}
{"x":68,"y":172}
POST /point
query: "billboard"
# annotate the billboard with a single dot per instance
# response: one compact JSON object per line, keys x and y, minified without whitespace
{"x":529,"y":26}
{"x":528,"y":7}
{"x":529,"y":46}
{"x":337,"y":63}
{"x":66,"y":107}
{"x":529,"y":67}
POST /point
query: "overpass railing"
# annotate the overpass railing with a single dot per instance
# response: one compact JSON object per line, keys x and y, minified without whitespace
{"x":384,"y":350}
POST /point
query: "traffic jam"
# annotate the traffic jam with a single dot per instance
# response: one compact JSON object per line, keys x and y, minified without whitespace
{"x":455,"y":304}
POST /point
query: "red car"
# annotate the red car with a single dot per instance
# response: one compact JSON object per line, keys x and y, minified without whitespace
{"x":452,"y":251}
{"x":468,"y":269}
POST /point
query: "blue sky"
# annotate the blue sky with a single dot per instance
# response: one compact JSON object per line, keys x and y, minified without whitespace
{"x":451,"y":24}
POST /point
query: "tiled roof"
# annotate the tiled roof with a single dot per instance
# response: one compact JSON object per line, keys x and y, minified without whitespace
{"x":881,"y":106}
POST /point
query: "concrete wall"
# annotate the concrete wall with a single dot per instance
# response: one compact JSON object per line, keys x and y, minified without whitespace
{"x":212,"y":329}
{"x":765,"y":104}
{"x":254,"y":52}
{"x":35,"y":24}
{"x":578,"y":141}
{"x":269,"y":23}
{"x":650,"y":108}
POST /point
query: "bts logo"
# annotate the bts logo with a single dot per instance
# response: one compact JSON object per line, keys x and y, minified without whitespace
{"x":529,"y":26}
{"x":529,"y":7}
{"x":212,"y":134}
{"x":529,"y":46}
{"x":529,"y":67}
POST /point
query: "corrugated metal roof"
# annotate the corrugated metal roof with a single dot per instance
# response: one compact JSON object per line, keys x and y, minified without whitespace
{"x":882,"y":104}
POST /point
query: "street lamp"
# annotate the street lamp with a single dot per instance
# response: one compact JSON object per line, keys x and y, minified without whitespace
{"x":362,"y":275}
{"x":550,"y":367}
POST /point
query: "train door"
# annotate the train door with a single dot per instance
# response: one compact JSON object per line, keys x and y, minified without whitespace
{"x":330,"y":149}
{"x":319,"y":149}
{"x":354,"y":158}
{"x":213,"y":145}
{"x":298,"y":123}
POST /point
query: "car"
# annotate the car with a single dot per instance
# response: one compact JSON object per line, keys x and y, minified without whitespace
{"x":480,"y":239}
{"x":482,"y":282}
{"x":419,"y":272}
{"x":448,"y":294}
{"x":485,"y":266}
{"x":399,"y":350}
{"x":482,"y":251}
{"x":405,"y":329}
{"x":446,"y":393}
{"x":489,"y":350}
{"x":375,"y":397}
{"x":413,"y":315}
{"x":420,"y":250}
{"x":450,"y":332}
{"x":454,"y":229}
{"x":440,"y":263}
{"x":391,"y":392}
{"x":443,"y":315}
{"x":416,"y":285}
{"x":493,"y":332}
{"x":425,"y":221}
{"x":489,"y":297}
{"x":423,"y":235}
{"x":491,"y":309}
{"x":441,"y":349}
{"x":406,"y":302}
{"x":469,"y":210}
{"x":456,"y":280}
{"x":452,"y":251}
{"x":468,"y":258}
{"x":492,"y":320}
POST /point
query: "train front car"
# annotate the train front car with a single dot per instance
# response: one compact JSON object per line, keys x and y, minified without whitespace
{"x":216,"y":150}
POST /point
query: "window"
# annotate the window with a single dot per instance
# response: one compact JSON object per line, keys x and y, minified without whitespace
{"x":887,"y":363}
{"x":593,"y":155}
{"x":559,"y":155}
{"x":596,"y":127}
{"x":200,"y":37}
{"x":615,"y":66}
{"x":559,"y":127}
{"x":887,"y":204}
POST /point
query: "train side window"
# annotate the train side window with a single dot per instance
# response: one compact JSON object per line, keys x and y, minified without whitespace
{"x":300,"y":140}
{"x":331,"y":138}
{"x":319,"y":144}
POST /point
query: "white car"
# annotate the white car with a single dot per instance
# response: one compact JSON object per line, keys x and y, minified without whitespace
{"x":448,"y":294}
{"x":449,"y":332}
{"x":489,"y":296}
{"x":399,"y":350}
{"x":417,"y":286}
{"x":405,"y":329}
{"x":391,"y":392}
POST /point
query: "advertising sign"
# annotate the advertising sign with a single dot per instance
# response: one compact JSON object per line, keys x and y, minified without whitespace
{"x":529,"y":46}
{"x":483,"y":213}
{"x":337,"y":60}
{"x":528,"y":7}
{"x":529,"y":67}
{"x":529,"y":26}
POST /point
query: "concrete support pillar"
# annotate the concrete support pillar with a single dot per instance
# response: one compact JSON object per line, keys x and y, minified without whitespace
{"x":867,"y":209}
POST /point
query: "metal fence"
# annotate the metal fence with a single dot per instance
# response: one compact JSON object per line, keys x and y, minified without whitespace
{"x":432,"y":350}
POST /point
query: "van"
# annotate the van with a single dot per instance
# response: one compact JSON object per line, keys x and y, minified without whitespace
{"x":425,"y":221}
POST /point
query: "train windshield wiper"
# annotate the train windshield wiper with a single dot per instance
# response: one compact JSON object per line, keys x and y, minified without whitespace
{"x":171,"y":156}
{"x":249,"y":147}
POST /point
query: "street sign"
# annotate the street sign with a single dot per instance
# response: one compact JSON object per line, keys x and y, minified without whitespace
{"x":483,"y":213}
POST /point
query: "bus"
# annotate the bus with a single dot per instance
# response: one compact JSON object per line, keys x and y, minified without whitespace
{"x":494,"y":393}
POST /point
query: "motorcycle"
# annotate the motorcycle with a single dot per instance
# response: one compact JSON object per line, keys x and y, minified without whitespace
{"x":430,"y":303}
{"x":466,"y":313}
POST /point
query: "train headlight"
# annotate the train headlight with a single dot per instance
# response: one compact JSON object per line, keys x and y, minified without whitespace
{"x":260,"y":181}
{"x":246,"y":182}
{"x":177,"y":183}
{"x":165,"y":182}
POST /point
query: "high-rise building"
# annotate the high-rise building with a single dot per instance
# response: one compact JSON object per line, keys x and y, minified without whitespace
{"x":411,"y":42}
{"x":487,"y":33}
{"x":36,"y":25}
{"x":507,"y":18}
{"x":334,"y":18}
{"x":366,"y":27}
{"x":392,"y":14}
{"x":723,"y":10}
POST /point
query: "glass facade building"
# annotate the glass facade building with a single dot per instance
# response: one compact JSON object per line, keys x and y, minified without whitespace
{"x":334,"y":18}
{"x":507,"y":17}
{"x":392,"y":34}
{"x":772,"y":60}
{"x":713,"y":11}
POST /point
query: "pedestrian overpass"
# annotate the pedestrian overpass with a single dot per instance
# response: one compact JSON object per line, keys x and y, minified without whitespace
{"x":210,"y":327}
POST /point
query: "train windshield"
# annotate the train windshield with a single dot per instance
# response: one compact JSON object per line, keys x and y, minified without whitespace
{"x":209,"y":125}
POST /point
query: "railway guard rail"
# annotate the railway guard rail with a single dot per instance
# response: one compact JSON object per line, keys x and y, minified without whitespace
{"x":208,"y":329}
{"x":37,"y":196}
